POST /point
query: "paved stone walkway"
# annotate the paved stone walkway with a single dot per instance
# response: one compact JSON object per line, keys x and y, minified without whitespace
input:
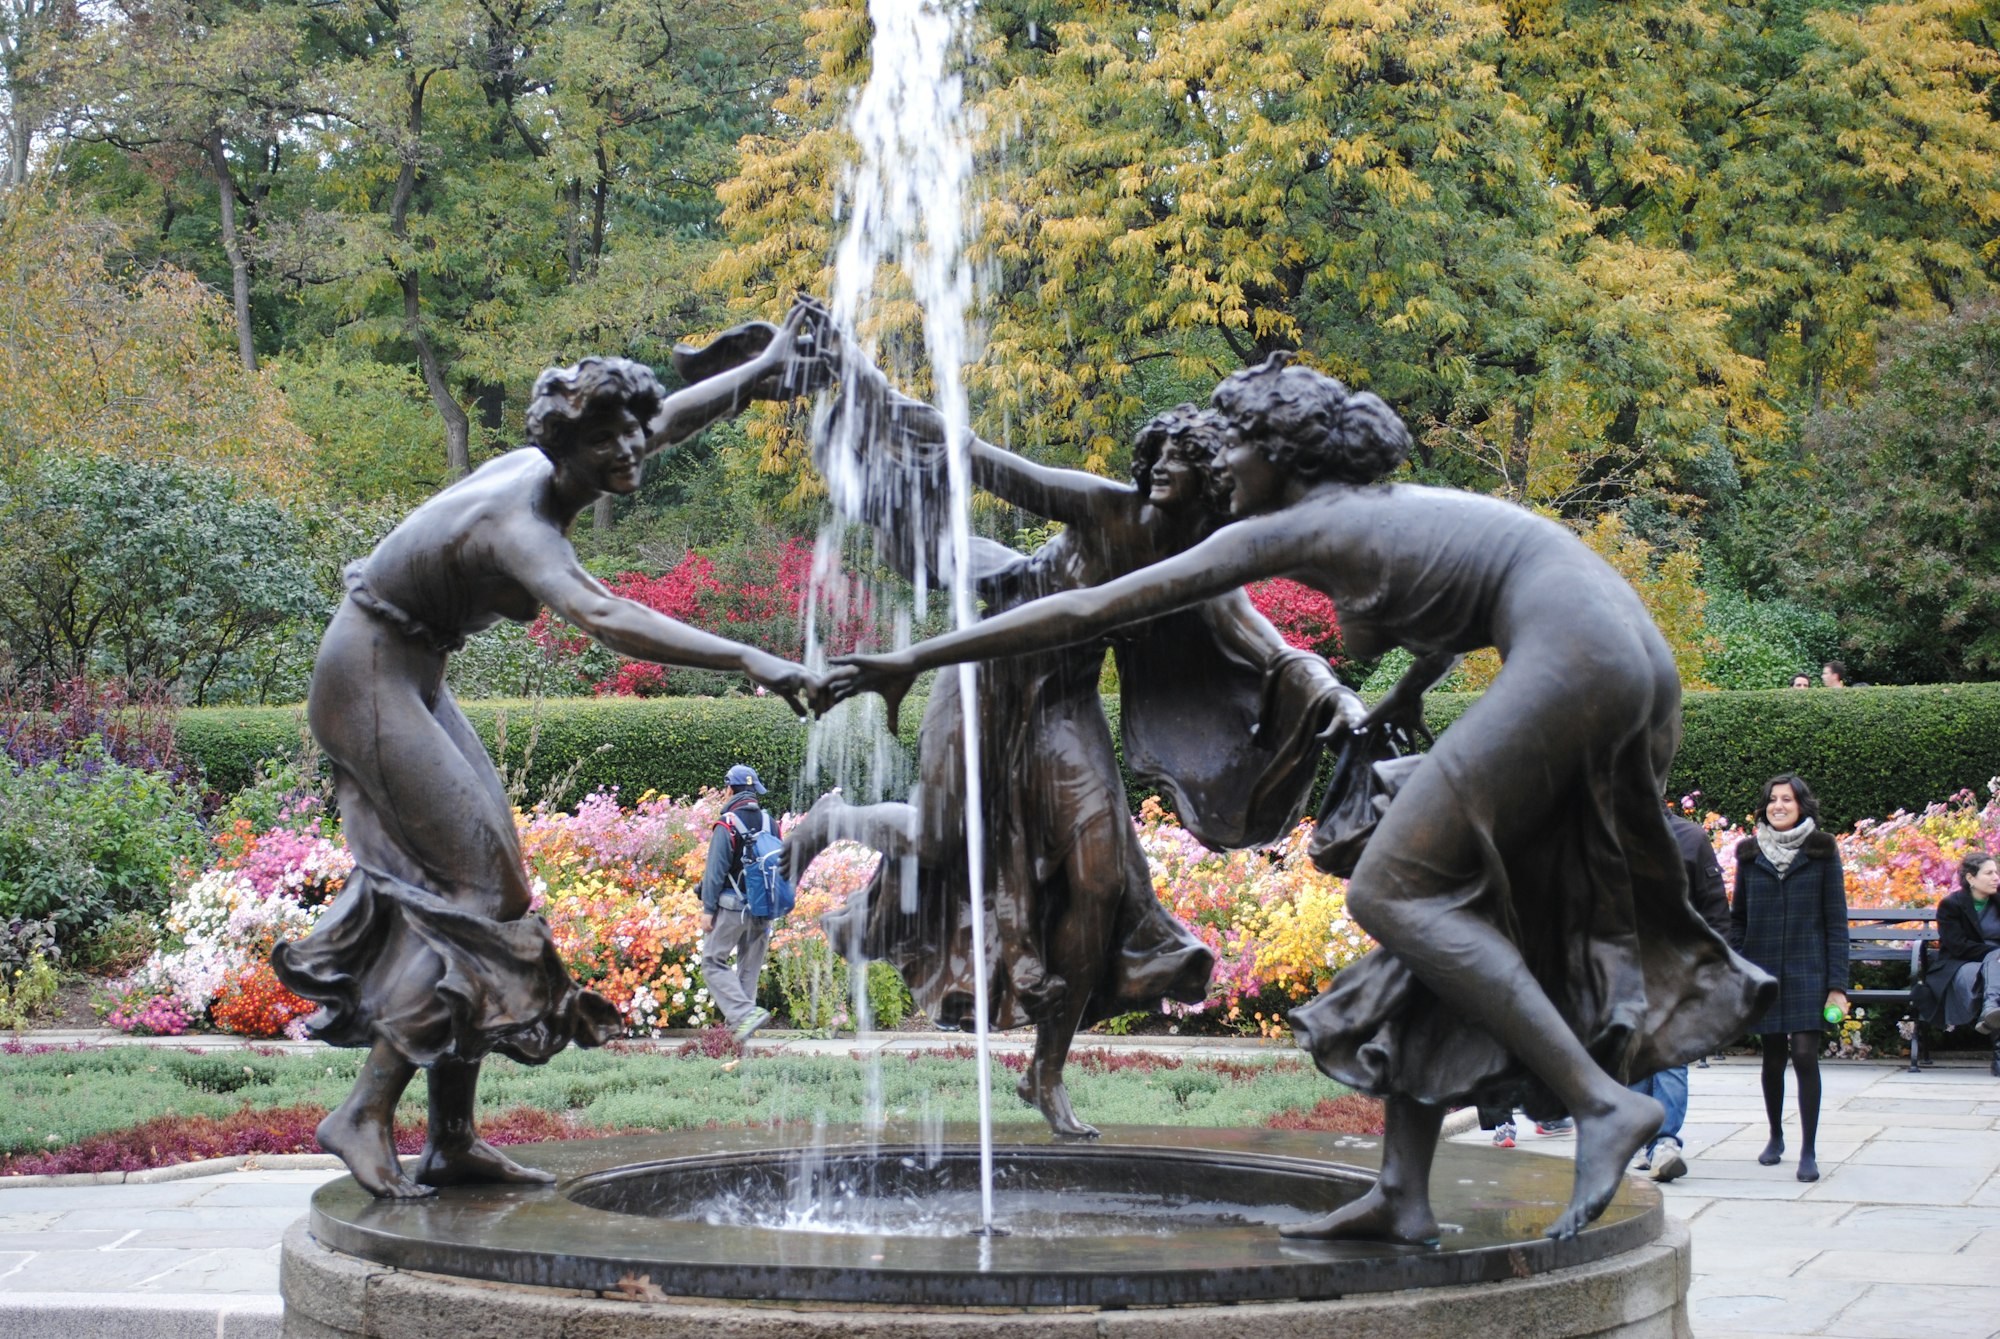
{"x":1900,"y":1237}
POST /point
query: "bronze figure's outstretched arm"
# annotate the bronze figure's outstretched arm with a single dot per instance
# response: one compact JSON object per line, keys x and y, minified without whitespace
{"x":729,"y":391}
{"x":1225,"y":561}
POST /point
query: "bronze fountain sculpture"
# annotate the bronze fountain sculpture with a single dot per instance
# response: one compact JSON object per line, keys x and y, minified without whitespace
{"x":1536,"y":940}
{"x":1081,"y":933}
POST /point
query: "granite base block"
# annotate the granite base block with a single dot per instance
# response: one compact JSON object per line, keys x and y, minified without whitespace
{"x":1638,"y":1294}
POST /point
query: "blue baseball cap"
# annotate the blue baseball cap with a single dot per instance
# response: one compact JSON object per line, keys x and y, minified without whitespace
{"x":744,"y":777}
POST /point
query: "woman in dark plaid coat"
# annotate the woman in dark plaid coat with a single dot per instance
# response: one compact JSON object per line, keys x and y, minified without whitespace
{"x":1790,"y":918}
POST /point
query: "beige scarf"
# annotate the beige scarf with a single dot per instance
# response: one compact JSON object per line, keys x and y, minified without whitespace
{"x":1781,"y":848}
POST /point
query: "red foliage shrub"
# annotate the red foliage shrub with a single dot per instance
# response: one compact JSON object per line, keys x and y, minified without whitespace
{"x":1246,"y":1071}
{"x":713,"y":1042}
{"x":1303,"y":617}
{"x":762,"y":597}
{"x":1350,"y":1113}
{"x":135,"y":725}
{"x":1114,"y":1062}
{"x":167,"y":1140}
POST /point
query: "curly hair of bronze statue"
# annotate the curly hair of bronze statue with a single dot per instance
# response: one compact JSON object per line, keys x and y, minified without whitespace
{"x":571,"y":402}
{"x":1311,"y":424}
{"x":1200,"y":435}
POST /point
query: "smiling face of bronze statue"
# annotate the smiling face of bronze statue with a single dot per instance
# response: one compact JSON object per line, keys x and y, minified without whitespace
{"x":609,"y":454}
{"x":1256,"y":484}
{"x":591,"y":421}
{"x":1174,"y":462}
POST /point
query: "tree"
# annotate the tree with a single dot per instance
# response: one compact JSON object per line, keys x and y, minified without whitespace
{"x":93,"y":362}
{"x":151,"y":573}
{"x":213,"y":82}
{"x":1905,"y":538}
{"x":1837,"y":162}
{"x":1199,"y":185}
{"x":30,"y":33}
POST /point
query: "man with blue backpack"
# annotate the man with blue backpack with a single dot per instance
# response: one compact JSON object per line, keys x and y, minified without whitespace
{"x":742,"y":892}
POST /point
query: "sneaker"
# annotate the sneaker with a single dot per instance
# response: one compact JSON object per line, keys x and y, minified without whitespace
{"x":1504,"y":1136}
{"x":1989,"y":1022}
{"x":1668,"y":1164}
{"x":756,"y":1019}
{"x":1555,"y":1127}
{"x":1644,"y":1162}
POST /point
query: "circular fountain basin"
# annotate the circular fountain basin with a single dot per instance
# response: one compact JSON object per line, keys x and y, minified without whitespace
{"x":1143,"y":1218}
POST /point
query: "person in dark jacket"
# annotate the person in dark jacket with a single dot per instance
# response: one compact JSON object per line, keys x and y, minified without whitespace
{"x":1790,"y":918}
{"x":1967,"y":976}
{"x":726,"y":917}
{"x":1710,"y":897}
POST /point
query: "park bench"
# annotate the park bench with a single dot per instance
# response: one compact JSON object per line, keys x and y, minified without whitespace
{"x":1890,"y":935}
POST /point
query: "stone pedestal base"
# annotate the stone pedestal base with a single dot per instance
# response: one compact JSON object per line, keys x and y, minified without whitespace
{"x":1637,"y":1294}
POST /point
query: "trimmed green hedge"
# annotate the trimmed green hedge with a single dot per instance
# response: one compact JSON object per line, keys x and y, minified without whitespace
{"x":1867,"y":751}
{"x":673,"y":745}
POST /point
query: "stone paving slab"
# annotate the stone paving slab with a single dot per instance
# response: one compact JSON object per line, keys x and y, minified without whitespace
{"x":1896,"y":1234}
{"x":1900,"y":1238}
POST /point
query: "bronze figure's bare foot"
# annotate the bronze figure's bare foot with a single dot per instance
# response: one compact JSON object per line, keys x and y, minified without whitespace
{"x":1605,"y":1147}
{"x":1404,"y":1220}
{"x":478,"y":1163}
{"x":1052,"y":1100}
{"x":370,"y":1154}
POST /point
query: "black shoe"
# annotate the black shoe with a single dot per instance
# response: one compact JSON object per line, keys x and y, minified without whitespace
{"x":1774,"y":1152}
{"x":1808,"y":1167}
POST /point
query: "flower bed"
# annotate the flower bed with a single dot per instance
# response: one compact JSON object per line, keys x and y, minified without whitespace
{"x":620,"y":888}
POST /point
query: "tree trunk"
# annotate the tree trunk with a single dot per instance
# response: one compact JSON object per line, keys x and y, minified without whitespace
{"x":19,"y":146}
{"x":600,"y":198}
{"x":1517,"y":451}
{"x":600,"y":514}
{"x":457,"y":428}
{"x":239,"y":264}
{"x":573,"y":227}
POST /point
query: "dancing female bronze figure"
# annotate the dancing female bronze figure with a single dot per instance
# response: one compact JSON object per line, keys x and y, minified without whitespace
{"x":1080,"y":933}
{"x":1537,"y":944}
{"x":429,"y":957}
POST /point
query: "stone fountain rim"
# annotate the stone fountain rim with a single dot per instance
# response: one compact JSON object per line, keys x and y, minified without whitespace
{"x":502,"y":1234}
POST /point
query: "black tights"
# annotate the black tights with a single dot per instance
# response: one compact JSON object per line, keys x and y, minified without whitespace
{"x":1802,"y":1049}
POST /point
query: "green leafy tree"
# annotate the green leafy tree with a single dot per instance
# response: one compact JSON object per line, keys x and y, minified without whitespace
{"x":152,"y":573}
{"x":98,"y":361}
{"x":1903,"y":536}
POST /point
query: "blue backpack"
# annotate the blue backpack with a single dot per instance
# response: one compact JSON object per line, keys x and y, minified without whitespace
{"x":760,"y":859}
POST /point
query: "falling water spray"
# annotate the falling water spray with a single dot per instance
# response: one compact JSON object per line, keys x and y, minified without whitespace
{"x":907,"y":203}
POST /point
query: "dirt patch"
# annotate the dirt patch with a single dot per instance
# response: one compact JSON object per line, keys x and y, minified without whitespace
{"x":72,"y":1009}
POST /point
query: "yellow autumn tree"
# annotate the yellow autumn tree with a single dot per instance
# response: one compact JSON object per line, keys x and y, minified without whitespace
{"x":1171,"y":192}
{"x":139,"y":366}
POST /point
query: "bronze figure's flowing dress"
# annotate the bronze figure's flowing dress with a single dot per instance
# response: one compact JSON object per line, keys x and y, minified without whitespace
{"x":401,"y":957}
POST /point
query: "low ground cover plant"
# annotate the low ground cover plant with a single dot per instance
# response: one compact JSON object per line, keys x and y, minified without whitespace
{"x":116,"y":1108}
